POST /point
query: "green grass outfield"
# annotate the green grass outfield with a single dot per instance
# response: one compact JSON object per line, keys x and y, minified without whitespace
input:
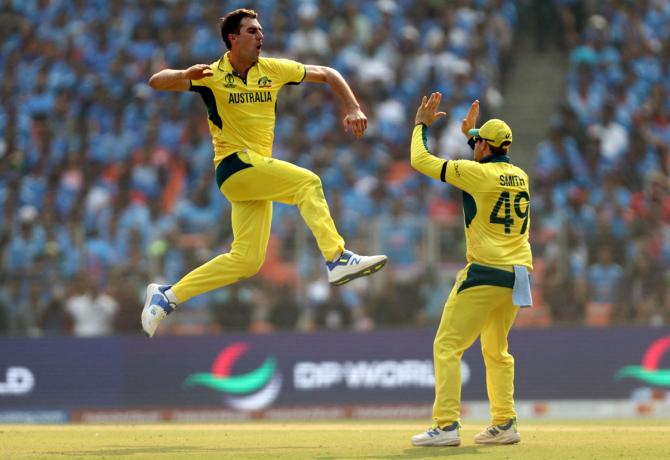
{"x":360,"y":439}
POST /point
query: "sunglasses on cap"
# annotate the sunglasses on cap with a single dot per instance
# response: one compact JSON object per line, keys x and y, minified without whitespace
{"x":477,"y":139}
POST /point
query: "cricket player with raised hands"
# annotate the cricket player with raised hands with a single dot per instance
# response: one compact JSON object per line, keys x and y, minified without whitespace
{"x":495,"y":282}
{"x":240,"y":92}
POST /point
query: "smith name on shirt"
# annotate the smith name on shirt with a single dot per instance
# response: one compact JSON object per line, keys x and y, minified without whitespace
{"x":243,"y":98}
{"x":513,"y":180}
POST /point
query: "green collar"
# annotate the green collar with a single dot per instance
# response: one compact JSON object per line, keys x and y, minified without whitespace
{"x":495,"y":159}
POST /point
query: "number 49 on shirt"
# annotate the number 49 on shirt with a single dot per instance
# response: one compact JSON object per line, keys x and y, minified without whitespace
{"x":504,"y":202}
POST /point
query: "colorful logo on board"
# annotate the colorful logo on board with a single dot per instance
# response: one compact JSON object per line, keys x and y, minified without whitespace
{"x":254,"y":390}
{"x":649,"y":370}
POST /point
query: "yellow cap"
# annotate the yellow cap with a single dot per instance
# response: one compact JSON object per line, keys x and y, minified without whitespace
{"x":495,"y":132}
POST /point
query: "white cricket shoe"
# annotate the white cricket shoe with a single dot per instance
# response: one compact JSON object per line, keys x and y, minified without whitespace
{"x":156,"y":307}
{"x":499,"y":434}
{"x":350,"y":266}
{"x":447,"y":436}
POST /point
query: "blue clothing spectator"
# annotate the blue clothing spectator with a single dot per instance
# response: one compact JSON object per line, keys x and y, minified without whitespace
{"x":604,"y":279}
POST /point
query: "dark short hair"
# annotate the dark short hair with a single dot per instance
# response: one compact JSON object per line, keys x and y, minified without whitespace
{"x":502,"y":150}
{"x":230,"y":23}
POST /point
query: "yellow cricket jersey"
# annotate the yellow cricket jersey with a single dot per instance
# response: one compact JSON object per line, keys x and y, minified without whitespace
{"x":496,"y":203}
{"x":241,"y":113}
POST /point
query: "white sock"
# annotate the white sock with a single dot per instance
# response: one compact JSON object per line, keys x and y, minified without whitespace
{"x":171,"y":296}
{"x":337,"y":257}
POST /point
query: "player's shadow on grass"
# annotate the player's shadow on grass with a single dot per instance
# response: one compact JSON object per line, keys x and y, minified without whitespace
{"x":417,"y":452}
{"x":121,"y":451}
{"x":430,"y":452}
{"x":117,"y":451}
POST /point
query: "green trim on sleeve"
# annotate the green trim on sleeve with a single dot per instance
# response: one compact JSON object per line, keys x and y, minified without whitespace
{"x":304,"y":74}
{"x":424,"y":136}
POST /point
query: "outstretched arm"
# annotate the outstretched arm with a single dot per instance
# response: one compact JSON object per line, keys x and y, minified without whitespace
{"x":179,"y":80}
{"x":354,"y":118}
{"x":422,"y":160}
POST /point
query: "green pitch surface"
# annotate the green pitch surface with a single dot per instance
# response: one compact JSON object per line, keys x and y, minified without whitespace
{"x":620,"y":439}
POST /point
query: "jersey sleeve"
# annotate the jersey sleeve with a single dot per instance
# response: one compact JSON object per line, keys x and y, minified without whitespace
{"x":422,"y":160}
{"x":465,"y":174}
{"x":288,"y":72}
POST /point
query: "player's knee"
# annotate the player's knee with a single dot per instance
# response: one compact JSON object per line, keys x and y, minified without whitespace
{"x":309,"y":189}
{"x":245,"y":266}
{"x":251,"y":266}
{"x":495,"y":356}
{"x":311,"y":182}
{"x":442,"y":348}
{"x":449,"y":347}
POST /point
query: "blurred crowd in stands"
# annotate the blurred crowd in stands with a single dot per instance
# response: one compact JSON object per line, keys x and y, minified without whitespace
{"x":106,"y":185}
{"x":602,"y":175}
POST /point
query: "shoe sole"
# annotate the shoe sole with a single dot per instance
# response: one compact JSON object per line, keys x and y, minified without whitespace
{"x":147,"y":301}
{"x":365,"y":272}
{"x":502,"y":442}
{"x":450,"y":443}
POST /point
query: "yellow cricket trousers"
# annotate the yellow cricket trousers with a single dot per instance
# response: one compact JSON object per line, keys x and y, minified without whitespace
{"x":480,"y":303}
{"x":251,"y":182}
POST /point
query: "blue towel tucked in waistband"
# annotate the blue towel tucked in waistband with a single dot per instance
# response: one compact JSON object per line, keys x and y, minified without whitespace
{"x":521,"y":296}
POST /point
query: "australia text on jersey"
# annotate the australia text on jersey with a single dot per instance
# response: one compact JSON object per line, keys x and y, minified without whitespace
{"x":244,"y":98}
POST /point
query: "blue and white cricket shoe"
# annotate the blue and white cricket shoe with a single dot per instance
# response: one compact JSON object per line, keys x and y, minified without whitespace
{"x":350,"y":266}
{"x":500,"y":434}
{"x":156,"y":307}
{"x":447,"y":436}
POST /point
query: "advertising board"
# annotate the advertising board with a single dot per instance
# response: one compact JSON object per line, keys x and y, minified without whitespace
{"x":255,"y":372}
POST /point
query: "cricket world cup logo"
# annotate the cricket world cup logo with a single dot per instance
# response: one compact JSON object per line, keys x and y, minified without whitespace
{"x":649,"y":371}
{"x":254,"y":390}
